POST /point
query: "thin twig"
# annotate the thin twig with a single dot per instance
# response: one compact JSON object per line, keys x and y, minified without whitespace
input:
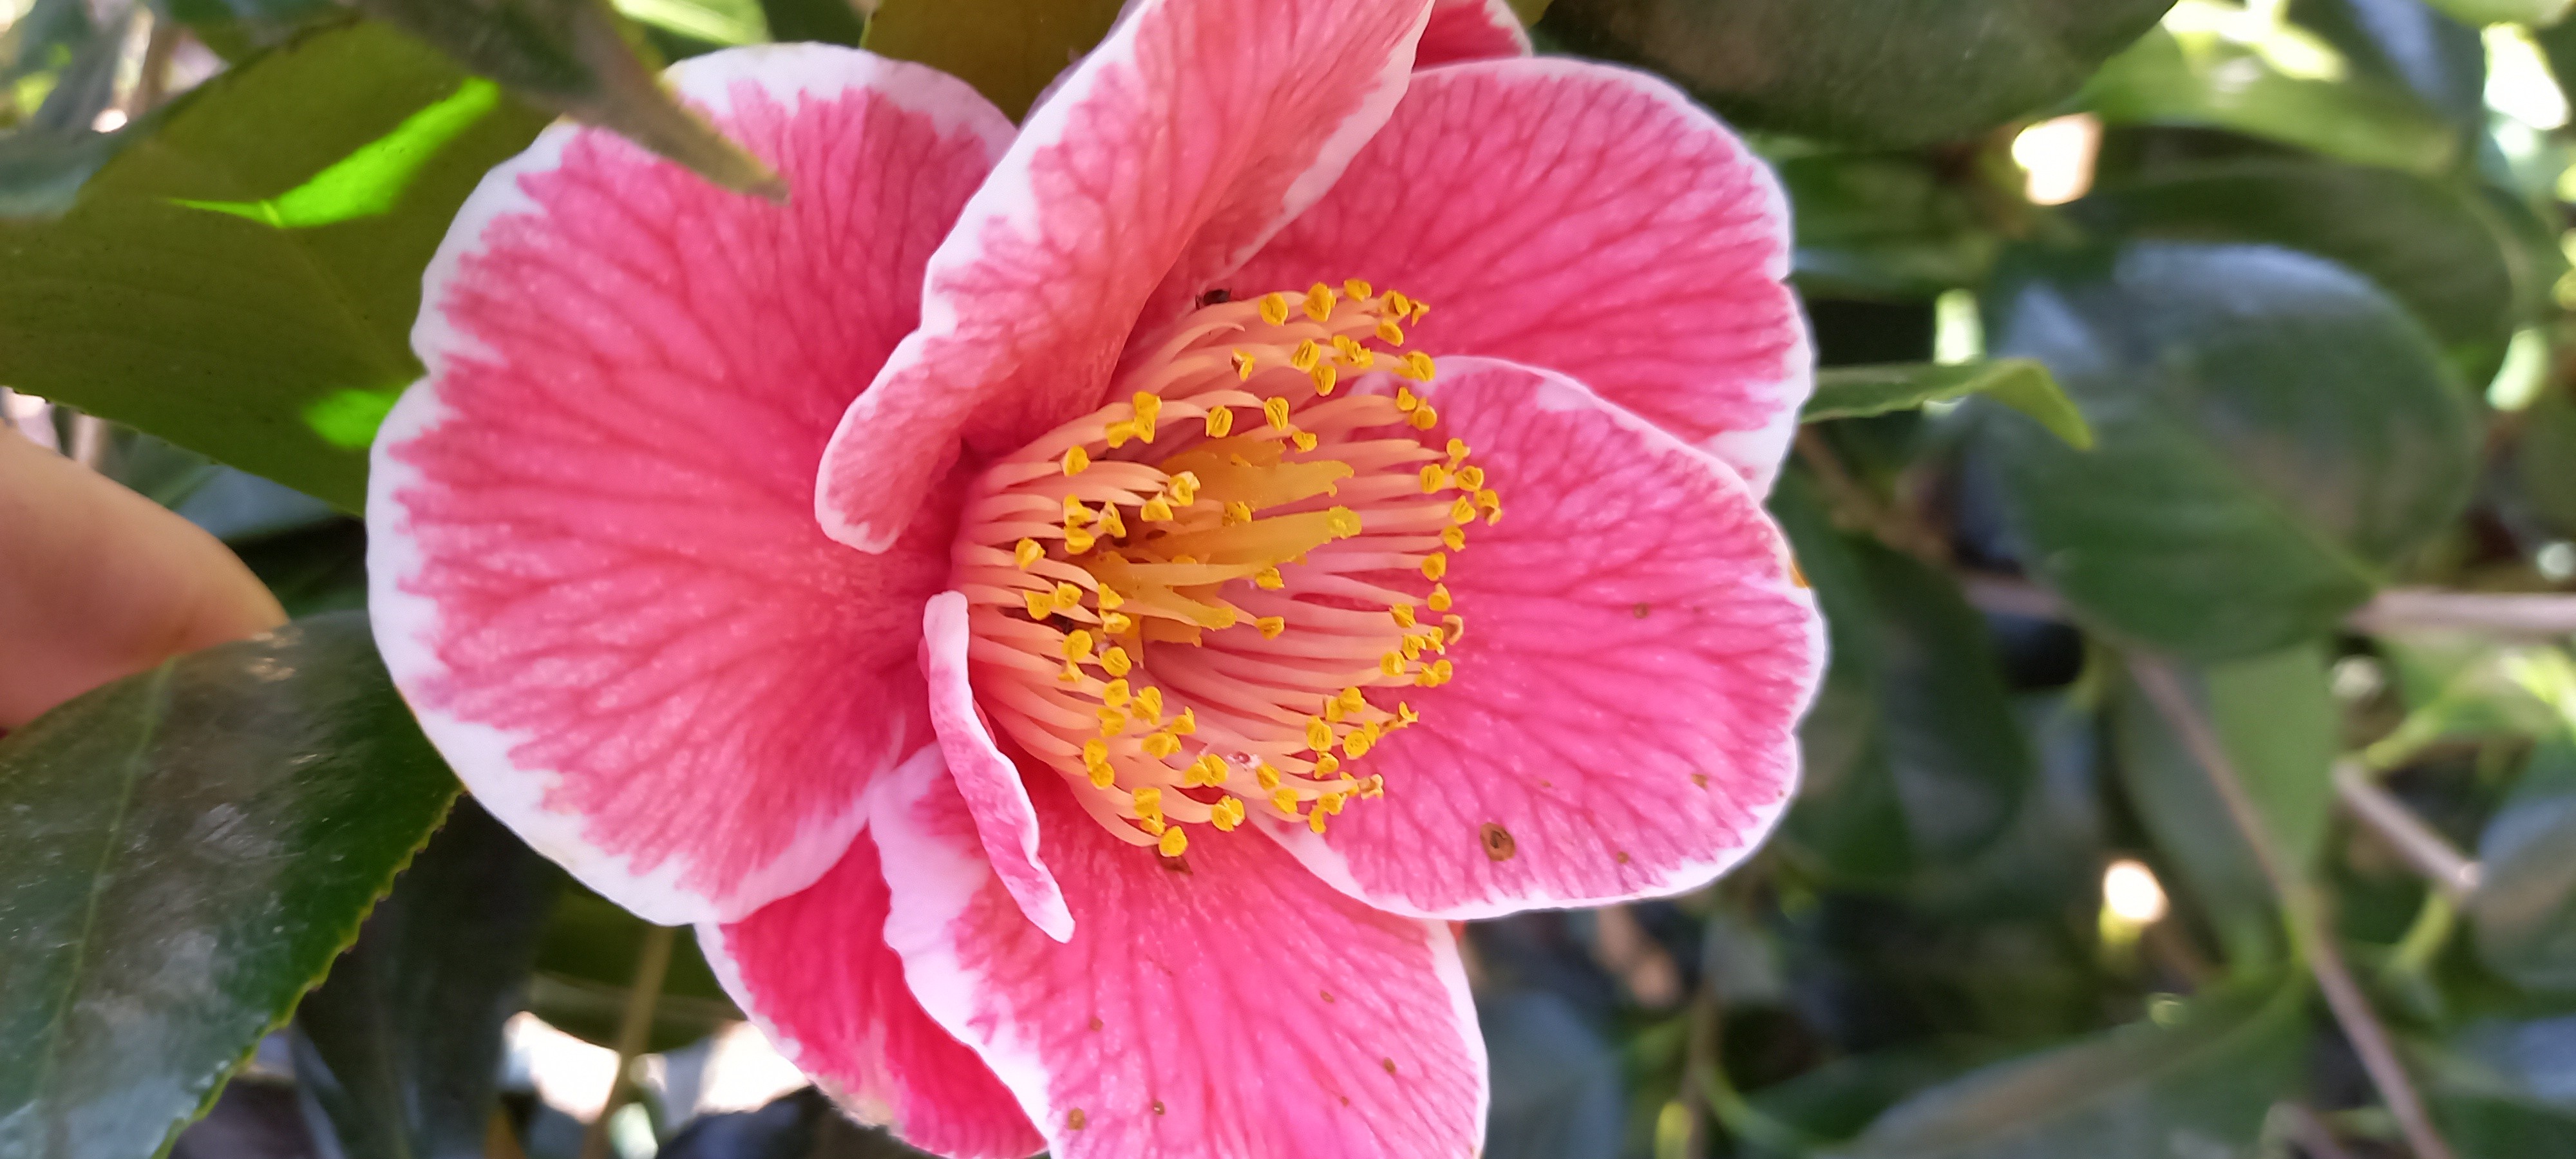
{"x":2510,"y":615}
{"x":2302,"y":908}
{"x":2312,"y":1135}
{"x":1861,"y":507}
{"x":2427,"y":852}
{"x":634,"y":1032}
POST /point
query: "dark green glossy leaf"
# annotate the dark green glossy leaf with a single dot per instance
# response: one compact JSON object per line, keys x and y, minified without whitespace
{"x":826,"y":21}
{"x":1558,"y":1093}
{"x":2019,"y":383}
{"x":2443,"y":61}
{"x":2525,"y":906}
{"x":271,"y":348}
{"x":183,"y":853}
{"x":573,"y":56}
{"x":400,"y":1048}
{"x":2217,"y":84}
{"x":2504,"y":1088}
{"x":1885,"y":225}
{"x":1008,"y":49}
{"x":1879,"y":72}
{"x":2273,"y":434}
{"x":2545,"y":458}
{"x":2198,"y":1086}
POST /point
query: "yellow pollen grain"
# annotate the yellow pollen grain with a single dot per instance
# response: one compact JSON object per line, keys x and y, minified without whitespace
{"x":1095,"y":752}
{"x":1332,"y":710}
{"x":1102,"y":776}
{"x":1434,"y":477}
{"x":1077,"y":645}
{"x":1425,"y":418}
{"x":1161,"y":744}
{"x":1392,"y":663}
{"x":1155,"y":510}
{"x":1454,"y":537}
{"x":1325,"y":377}
{"x":1079,"y":539}
{"x":1344,"y":521}
{"x":1242,"y":366}
{"x":1149,"y":411}
{"x":1274,"y":308}
{"x":1390,"y":333}
{"x":1420,"y":310}
{"x":1149,"y":801}
{"x":1110,"y":599}
{"x":1067,"y":597}
{"x":1185,"y":488}
{"x":1076,"y":460}
{"x":1315,"y":821}
{"x":1434,"y":566}
{"x":1116,"y":434}
{"x":1226,"y":814}
{"x":1305,"y":355}
{"x":1359,"y":290}
{"x":1470,"y":478}
{"x":1330,"y":803}
{"x":1375,"y":786}
{"x":1305,"y":440}
{"x":1070,"y":675}
{"x":1285,"y":800}
{"x":1319,"y":302}
{"x":1457,"y":453}
{"x":1403,"y":614}
{"x":1440,"y":598}
{"x":1266,"y":776}
{"x":1153,"y":826}
{"x":1075,"y":514}
{"x":1027,"y":552}
{"x":1116,"y":661}
{"x":1269,"y":579}
{"x":1463,"y":511}
{"x":1417,"y":366}
{"x":1404,"y":714}
{"x":1115,"y":695}
{"x":1120,"y":623}
{"x":1271,"y":626}
{"x":1397,"y":304}
{"x":1407,"y":401}
{"x":1412,"y":647}
{"x":1187,"y":722}
{"x":1238,"y":513}
{"x":1172,"y":843}
{"x":1110,"y":521}
{"x":1351,"y":699}
{"x":1112,"y":722}
{"x":1040,"y":606}
{"x":1319,"y":735}
{"x":1220,"y":422}
{"x":1327,"y":765}
{"x":1275,"y":409}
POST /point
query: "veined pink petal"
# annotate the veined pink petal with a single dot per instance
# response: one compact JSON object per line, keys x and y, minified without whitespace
{"x":1223,"y":1005}
{"x":593,"y":564}
{"x":1637,"y":652}
{"x":1470,"y":30}
{"x":1168,"y":156}
{"x":986,"y":778}
{"x":1583,"y":218}
{"x":814,"y":971}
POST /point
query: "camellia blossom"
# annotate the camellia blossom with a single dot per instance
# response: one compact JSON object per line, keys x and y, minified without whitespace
{"x":1073,"y":613}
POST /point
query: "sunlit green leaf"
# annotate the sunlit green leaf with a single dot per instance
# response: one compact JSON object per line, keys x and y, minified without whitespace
{"x":369,"y":182}
{"x":2019,"y":383}
{"x":2164,"y":80}
{"x":1008,"y":49}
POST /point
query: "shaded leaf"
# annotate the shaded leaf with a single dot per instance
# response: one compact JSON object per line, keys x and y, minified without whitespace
{"x":2411,"y":42}
{"x":2163,"y":80}
{"x":2019,"y":383}
{"x":2525,"y":905}
{"x":1010,"y":50}
{"x":800,"y":1125}
{"x":1884,"y":224}
{"x":1558,"y":1092}
{"x":586,"y":958}
{"x":572,"y":56}
{"x":2273,"y":433}
{"x":1877,"y":72}
{"x":400,"y":1048}
{"x":271,"y":349}
{"x":2544,"y":458}
{"x":185,"y":852}
{"x":825,"y":21}
{"x":2532,"y":12}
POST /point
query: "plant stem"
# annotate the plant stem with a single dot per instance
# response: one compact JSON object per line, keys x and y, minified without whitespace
{"x":2509,"y":615}
{"x":2426,"y":851}
{"x":2302,"y":908}
{"x":634,"y":1032}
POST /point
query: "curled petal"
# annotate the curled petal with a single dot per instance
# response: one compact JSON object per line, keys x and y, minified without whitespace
{"x":985,"y":776}
{"x":1470,"y":30}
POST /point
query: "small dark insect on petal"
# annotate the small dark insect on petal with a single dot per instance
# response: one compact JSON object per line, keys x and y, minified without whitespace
{"x":1216,"y":297}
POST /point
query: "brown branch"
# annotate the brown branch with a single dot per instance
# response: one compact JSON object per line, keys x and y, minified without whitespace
{"x":2427,"y":852}
{"x":1859,"y":508}
{"x":2302,"y":909}
{"x":634,"y":1032}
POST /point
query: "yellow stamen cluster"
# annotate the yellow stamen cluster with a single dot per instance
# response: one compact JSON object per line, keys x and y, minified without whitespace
{"x":1189,"y":618}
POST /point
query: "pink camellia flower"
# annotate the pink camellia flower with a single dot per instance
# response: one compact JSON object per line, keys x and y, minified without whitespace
{"x":1073,"y":613}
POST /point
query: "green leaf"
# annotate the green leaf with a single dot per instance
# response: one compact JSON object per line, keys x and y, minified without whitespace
{"x":826,"y":21}
{"x":2538,"y":13}
{"x":2019,"y":383}
{"x":2273,"y":433}
{"x":260,"y":345}
{"x":185,"y":851}
{"x":573,"y":56}
{"x":2211,"y":83}
{"x":2525,"y":905}
{"x":2443,"y":61}
{"x":2544,"y":457}
{"x":1891,"y":225}
{"x":369,"y":182}
{"x":586,"y":958}
{"x":2198,"y":1086}
{"x":718,"y":23}
{"x":1010,"y":50}
{"x":1877,"y":72}
{"x":401,"y":1046}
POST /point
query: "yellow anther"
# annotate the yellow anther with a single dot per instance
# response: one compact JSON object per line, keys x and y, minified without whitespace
{"x":1274,"y":308}
{"x":1079,"y":539}
{"x":1112,"y":722}
{"x":1226,"y":814}
{"x":1161,"y":744}
{"x":1358,"y":290}
{"x":1149,"y":802}
{"x":1110,"y":599}
{"x":1434,"y":566}
{"x":1116,"y":661}
{"x":1416,"y":366}
{"x":1319,"y":301}
{"x":1325,"y":377}
{"x":1119,"y":623}
{"x":1455,"y":537}
{"x":1220,"y":421}
{"x":1492,"y":504}
{"x":1344,"y":521}
{"x":1406,"y":400}
{"x":1153,"y":826}
{"x":1392,"y":664}
{"x":1453,"y":628}
{"x":1329,"y":803}
{"x":1305,"y":440}
{"x":1327,"y":765}
{"x":1149,"y":704}
{"x":1442,"y":669}
{"x":1462,"y":511}
{"x":1285,"y":800}
{"x":1149,"y":411}
{"x":1040,"y":607}
{"x":1425,"y":418}
{"x":1319,"y":735}
{"x":1076,"y":460}
{"x":1027,"y":552}
{"x":1351,"y":698}
{"x":1172,"y":843}
{"x":1315,"y":821}
{"x":1266,"y":776}
{"x":1397,"y":304}
{"x":1111,"y":523}
{"x":1332,"y":710}
{"x":1440,"y":599}
{"x":1114,"y":694}
{"x":1271,"y":626}
{"x":1095,"y":752}
{"x":1067,"y":597}
{"x":1077,"y":645}
{"x":1412,"y":646}
{"x":1470,"y":478}
{"x":1374,"y":786}
{"x":1116,"y":434}
{"x":1421,"y":309}
{"x":1075,"y":514}
{"x":1434,"y":477}
{"x":1185,"y":488}
{"x":1305,"y":355}
{"x":1269,"y":579}
{"x":1155,"y":510}
{"x":1275,"y":409}
{"x":1239,"y":512}
{"x":1211,"y":769}
{"x":1070,"y":675}
{"x":1457,"y":453}
{"x":1390,"y":333}
{"x":1187,"y":722}
{"x":1348,"y":347}
{"x":1403,"y":614}
{"x":1404,"y":714}
{"x":1242,"y":366}
{"x":1102,"y":776}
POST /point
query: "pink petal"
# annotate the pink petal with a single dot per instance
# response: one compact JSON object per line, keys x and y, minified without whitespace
{"x":1169,"y":155}
{"x":1226,"y":1008}
{"x":1583,"y":218}
{"x":1637,"y":654}
{"x":593,"y":564}
{"x":1470,"y":30}
{"x":990,"y":783}
{"x":814,"y":971}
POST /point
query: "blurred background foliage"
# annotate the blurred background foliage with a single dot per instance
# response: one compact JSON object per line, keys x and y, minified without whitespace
{"x":2191,"y":492}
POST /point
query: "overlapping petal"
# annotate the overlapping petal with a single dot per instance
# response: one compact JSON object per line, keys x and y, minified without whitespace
{"x":1582,"y":218}
{"x":1470,"y":30}
{"x":1171,"y":153}
{"x":1637,"y":654}
{"x":1006,"y":823}
{"x":1220,"y":1006}
{"x":593,"y":565}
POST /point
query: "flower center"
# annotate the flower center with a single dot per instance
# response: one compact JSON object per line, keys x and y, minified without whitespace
{"x":1204,"y":600}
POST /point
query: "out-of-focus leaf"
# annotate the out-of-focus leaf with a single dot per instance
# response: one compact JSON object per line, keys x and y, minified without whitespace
{"x":585,"y":959}
{"x":1885,"y":225}
{"x":715,"y":23}
{"x":272,"y":349}
{"x":2505,"y":1089}
{"x":1557,"y":1087}
{"x":2272,"y":433}
{"x":1838,"y":1100}
{"x":2199,"y":1086}
{"x":800,"y":1125}
{"x":401,"y":1046}
{"x":2216,"y":84}
{"x":2411,"y":42}
{"x":1876,"y":72}
{"x":2019,"y":383}
{"x":185,"y":852}
{"x":2537,"y":13}
{"x":2433,"y":247}
{"x":826,"y":21}
{"x":573,"y":56}
{"x":2545,"y":458}
{"x":254,"y":1118}
{"x":41,"y":173}
{"x":1010,"y":50}
{"x":2525,"y":905}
